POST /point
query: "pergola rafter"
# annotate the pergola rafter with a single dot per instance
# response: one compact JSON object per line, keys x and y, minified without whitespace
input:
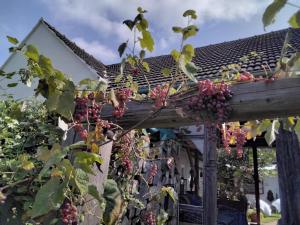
{"x":251,"y":100}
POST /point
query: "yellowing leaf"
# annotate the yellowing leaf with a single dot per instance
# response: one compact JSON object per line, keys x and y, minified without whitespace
{"x":95,"y":148}
{"x":56,"y":173}
{"x":27,"y":165}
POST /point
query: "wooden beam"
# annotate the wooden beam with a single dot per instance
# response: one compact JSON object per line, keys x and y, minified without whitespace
{"x":253,"y":100}
{"x":210,"y":176}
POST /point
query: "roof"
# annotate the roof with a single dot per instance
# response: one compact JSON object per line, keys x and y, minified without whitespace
{"x":211,"y":58}
{"x":94,"y":63}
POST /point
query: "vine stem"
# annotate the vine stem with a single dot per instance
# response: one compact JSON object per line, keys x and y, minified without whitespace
{"x":151,"y":115}
{"x":15,"y":183}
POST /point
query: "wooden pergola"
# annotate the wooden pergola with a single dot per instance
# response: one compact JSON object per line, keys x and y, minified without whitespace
{"x":251,"y":101}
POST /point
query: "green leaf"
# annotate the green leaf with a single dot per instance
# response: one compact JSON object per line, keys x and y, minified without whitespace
{"x":143,"y":24}
{"x":32,"y":53}
{"x":45,"y":65}
{"x":142,"y":54}
{"x":12,"y":84}
{"x":297,"y":128}
{"x":113,"y":200}
{"x":12,"y":40}
{"x":146,"y":66}
{"x":189,"y":31}
{"x":53,"y":158}
{"x":270,"y":135}
{"x":189,"y":52}
{"x":147,"y":41}
{"x":129,"y":23}
{"x":81,"y":181}
{"x":65,"y":105}
{"x":49,"y":197}
{"x":162,"y":217}
{"x":294,"y":21}
{"x":191,"y":13}
{"x":171,"y":192}
{"x":177,"y":29}
{"x":85,"y":160}
{"x":166,"y":72}
{"x":271,"y":11}
{"x":122,"y":48}
{"x":175,"y":54}
{"x":118,"y":78}
{"x":189,"y":69}
{"x":141,"y":10}
{"x":93,"y":191}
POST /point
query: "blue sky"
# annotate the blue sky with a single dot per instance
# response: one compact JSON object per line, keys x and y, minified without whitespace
{"x":96,"y":25}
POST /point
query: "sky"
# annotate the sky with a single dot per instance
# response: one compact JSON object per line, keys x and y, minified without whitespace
{"x":96,"y":25}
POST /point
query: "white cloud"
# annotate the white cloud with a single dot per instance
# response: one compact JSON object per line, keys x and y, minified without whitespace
{"x":106,"y":16}
{"x":101,"y":52}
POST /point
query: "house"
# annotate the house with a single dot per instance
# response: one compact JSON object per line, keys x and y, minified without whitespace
{"x":247,"y":54}
{"x":65,"y":55}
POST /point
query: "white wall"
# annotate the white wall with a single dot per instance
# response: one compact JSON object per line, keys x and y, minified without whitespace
{"x":269,"y":183}
{"x":62,"y":58}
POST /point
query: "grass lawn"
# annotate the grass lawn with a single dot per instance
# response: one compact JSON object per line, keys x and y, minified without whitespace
{"x":272,"y":218}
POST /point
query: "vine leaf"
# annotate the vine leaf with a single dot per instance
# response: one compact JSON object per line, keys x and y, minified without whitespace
{"x":81,"y":181}
{"x":189,"y":31}
{"x":49,"y":197}
{"x":171,"y":192}
{"x":294,"y":21}
{"x":271,"y":11}
{"x":162,"y":217}
{"x":122,"y":48}
{"x":12,"y":40}
{"x":147,"y":41}
{"x":84,"y":161}
{"x":270,"y":135}
{"x":129,"y":23}
{"x":32,"y":53}
{"x":93,"y":191}
{"x":146,"y":67}
{"x":189,"y":69}
{"x":113,"y":200}
{"x":166,"y":72}
{"x":191,"y":13}
{"x":297,"y":128}
{"x":177,"y":29}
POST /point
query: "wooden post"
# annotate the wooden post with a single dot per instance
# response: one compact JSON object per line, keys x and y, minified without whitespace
{"x":288,"y":165}
{"x":210,"y":176}
{"x":256,"y":182}
{"x":92,"y":211}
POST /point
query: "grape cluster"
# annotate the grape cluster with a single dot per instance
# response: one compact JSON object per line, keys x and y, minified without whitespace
{"x":149,"y":218}
{"x":152,"y":173}
{"x":124,"y":149}
{"x":238,"y":135}
{"x":69,"y":214}
{"x":159,"y":94}
{"x":212,"y":98}
{"x":123,"y":95}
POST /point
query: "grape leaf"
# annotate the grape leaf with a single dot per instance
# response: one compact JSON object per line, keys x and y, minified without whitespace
{"x":294,"y":21}
{"x":49,"y":197}
{"x":271,"y":11}
{"x":12,"y":40}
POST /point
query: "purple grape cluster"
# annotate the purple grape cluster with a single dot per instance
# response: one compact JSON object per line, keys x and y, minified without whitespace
{"x":213,"y":98}
{"x":149,"y":218}
{"x":69,"y":214}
